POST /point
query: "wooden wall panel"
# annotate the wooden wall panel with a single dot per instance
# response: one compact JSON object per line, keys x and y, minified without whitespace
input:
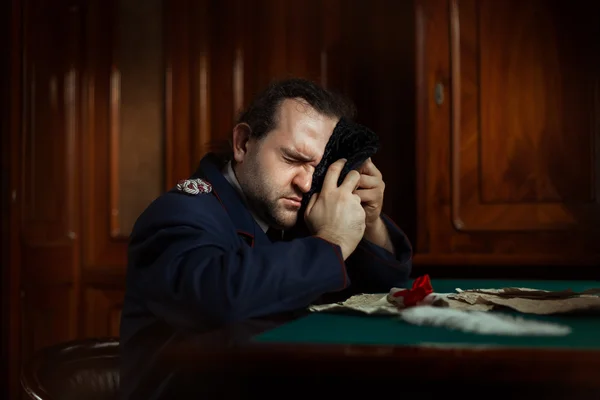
{"x":527,"y":119}
{"x":516,"y":184}
{"x":50,"y":139}
{"x":49,"y":223}
{"x":432,"y":80}
{"x":101,"y":249}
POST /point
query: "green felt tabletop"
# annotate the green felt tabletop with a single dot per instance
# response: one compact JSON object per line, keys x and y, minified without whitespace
{"x":331,"y":328}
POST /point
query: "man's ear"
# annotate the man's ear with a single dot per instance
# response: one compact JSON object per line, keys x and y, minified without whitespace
{"x":241,"y":136}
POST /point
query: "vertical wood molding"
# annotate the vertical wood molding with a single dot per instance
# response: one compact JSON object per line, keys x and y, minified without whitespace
{"x":595,"y":131}
{"x":422,"y":99}
{"x":238,"y":79}
{"x":456,"y":112}
{"x":238,"y":70}
{"x":114,"y":148}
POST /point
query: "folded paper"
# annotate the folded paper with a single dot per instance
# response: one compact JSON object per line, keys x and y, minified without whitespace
{"x":524,"y":300}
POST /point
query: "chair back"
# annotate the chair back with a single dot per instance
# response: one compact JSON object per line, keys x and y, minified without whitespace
{"x":85,"y":369}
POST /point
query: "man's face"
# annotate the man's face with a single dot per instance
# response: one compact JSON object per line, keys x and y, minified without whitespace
{"x":277,"y":170}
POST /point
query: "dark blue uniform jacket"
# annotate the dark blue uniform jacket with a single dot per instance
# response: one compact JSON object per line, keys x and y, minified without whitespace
{"x":198,"y":262}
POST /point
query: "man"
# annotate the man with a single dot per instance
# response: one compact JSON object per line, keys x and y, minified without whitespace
{"x":204,"y":254}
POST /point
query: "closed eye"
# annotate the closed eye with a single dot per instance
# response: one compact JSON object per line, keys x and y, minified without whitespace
{"x":295,"y":157}
{"x":293,"y":161}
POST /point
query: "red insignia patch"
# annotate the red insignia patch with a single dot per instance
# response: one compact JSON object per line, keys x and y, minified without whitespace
{"x":194,"y":186}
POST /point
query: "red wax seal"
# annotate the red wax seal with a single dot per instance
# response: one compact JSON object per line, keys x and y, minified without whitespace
{"x":420,"y":289}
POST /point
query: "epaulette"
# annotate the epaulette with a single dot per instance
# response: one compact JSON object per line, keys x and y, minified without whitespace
{"x":194,"y":186}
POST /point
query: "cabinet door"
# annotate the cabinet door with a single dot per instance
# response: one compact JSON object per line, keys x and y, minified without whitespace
{"x":513,"y":136}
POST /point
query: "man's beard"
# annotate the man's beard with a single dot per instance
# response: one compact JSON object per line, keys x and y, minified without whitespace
{"x":257,"y":191}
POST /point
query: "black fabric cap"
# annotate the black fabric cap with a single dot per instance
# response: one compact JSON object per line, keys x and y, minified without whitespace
{"x":349,"y":140}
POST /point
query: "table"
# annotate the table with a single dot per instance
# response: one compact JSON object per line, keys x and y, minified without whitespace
{"x":337,"y":329}
{"x":348,"y":353}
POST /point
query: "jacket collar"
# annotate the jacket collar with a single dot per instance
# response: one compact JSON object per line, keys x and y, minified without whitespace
{"x":211,"y":168}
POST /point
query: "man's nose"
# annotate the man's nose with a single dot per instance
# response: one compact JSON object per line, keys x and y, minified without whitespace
{"x":303,"y":180}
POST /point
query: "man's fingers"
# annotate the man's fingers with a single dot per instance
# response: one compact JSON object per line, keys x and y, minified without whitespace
{"x":368,"y":168}
{"x":351,"y":181}
{"x":366,"y":195}
{"x":369,"y":182}
{"x":333,"y":174}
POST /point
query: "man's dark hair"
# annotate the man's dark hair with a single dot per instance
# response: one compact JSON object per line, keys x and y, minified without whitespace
{"x":262,"y":113}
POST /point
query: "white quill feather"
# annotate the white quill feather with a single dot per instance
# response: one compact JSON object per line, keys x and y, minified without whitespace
{"x":480,"y":322}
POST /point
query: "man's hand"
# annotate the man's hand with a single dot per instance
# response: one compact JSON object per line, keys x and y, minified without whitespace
{"x":371,"y":189}
{"x":335,"y":214}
